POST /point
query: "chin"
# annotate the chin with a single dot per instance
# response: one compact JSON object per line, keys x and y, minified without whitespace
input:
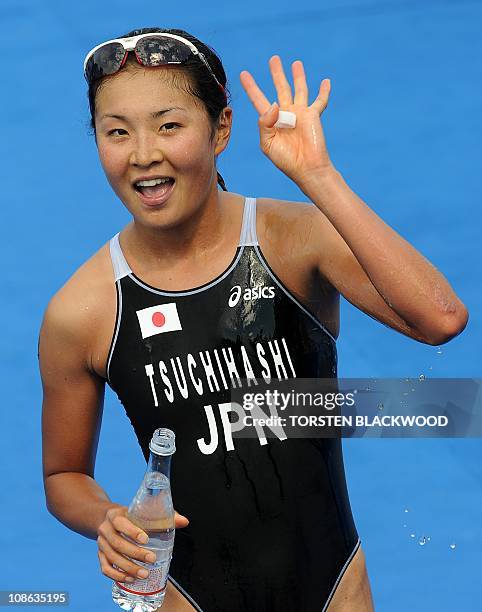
{"x":163,"y":218}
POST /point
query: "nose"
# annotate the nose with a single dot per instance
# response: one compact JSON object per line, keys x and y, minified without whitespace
{"x":146,"y":151}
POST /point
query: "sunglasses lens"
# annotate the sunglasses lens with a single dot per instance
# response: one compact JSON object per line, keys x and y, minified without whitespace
{"x":157,"y":51}
{"x":106,"y":60}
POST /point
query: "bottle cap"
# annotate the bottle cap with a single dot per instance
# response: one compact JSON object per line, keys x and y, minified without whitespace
{"x":286,"y":119}
{"x":163,"y":442}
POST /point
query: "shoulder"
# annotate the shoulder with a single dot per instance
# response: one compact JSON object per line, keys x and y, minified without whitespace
{"x":280,"y":211}
{"x":87,"y":285}
{"x":289,"y":217}
{"x":76,"y":310}
{"x":293,"y":227}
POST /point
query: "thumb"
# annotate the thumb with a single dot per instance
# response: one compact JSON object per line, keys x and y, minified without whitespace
{"x":270,"y":117}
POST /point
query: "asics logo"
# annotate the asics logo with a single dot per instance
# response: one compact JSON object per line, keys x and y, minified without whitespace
{"x":250,"y":293}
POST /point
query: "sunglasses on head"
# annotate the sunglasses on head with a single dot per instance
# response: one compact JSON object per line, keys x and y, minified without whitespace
{"x":152,"y":49}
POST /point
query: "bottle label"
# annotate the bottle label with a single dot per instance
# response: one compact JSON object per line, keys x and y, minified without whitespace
{"x":152,"y":585}
{"x":147,"y":586}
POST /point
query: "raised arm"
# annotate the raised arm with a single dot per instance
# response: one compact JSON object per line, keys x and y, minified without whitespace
{"x":378,"y":271}
{"x":362,"y":257}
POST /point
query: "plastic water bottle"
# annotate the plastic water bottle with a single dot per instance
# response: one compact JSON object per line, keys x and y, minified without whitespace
{"x":152,"y":510}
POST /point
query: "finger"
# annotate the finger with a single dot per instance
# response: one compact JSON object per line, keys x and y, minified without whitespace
{"x":299,"y":80}
{"x":122,"y":563}
{"x":257,"y":97}
{"x":110,"y":571}
{"x":180,"y":520}
{"x":283,"y":88}
{"x":321,"y":101}
{"x":118,"y":543}
{"x":123,"y":524}
{"x":270,"y":117}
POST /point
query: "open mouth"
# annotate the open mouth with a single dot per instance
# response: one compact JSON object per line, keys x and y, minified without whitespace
{"x":154,"y":191}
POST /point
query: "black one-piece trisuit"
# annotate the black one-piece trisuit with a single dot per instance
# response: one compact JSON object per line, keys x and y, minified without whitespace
{"x":271,"y":528}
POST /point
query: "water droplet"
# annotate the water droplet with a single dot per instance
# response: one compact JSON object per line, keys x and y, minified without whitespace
{"x":412,"y":535}
{"x":422,"y":540}
{"x":421,"y":377}
{"x":439,"y":351}
{"x":355,"y":391}
{"x":380,"y":406}
{"x":404,"y":524}
{"x":406,"y":510}
{"x":452,"y":546}
{"x":428,"y":538}
{"x":405,"y":393}
{"x":430,"y":368}
{"x":413,"y":389}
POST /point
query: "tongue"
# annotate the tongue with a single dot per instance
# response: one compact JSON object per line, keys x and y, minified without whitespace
{"x":157,"y":190}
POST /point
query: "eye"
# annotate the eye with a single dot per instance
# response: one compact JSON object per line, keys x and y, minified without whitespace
{"x":169,"y":126}
{"x":112,"y":132}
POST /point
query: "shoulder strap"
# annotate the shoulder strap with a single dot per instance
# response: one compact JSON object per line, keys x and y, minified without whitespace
{"x":248,"y":230}
{"x":119,"y":263}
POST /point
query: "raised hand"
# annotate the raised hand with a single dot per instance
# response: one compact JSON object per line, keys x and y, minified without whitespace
{"x":301,"y":151}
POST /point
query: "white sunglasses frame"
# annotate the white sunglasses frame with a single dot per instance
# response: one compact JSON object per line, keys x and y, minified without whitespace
{"x":130,"y":42}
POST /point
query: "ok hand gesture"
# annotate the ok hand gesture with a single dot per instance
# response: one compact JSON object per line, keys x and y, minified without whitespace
{"x":299,"y":152}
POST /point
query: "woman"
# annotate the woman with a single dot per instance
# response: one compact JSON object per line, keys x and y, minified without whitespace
{"x":204,"y":288}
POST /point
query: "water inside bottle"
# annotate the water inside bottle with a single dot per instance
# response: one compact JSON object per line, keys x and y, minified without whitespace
{"x":152,"y":511}
{"x":144,"y":595}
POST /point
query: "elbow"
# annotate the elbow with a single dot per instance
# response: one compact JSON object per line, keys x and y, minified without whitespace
{"x":51,"y":493}
{"x":50,"y":508}
{"x":48,"y":498}
{"x":449,"y":327}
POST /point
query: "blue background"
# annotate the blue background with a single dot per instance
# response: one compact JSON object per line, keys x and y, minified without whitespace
{"x":403,"y":127}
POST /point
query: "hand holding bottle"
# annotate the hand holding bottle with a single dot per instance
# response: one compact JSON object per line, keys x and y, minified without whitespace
{"x":114,"y":548}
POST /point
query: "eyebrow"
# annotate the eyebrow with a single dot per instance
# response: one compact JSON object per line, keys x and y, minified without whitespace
{"x":154,"y":115}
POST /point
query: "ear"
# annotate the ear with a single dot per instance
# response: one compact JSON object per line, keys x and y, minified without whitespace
{"x":223,"y":131}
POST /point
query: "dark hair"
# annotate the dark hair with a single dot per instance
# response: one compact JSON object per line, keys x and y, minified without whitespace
{"x":199,"y":83}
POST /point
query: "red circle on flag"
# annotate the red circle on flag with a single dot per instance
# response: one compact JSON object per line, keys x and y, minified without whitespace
{"x":158,"y":319}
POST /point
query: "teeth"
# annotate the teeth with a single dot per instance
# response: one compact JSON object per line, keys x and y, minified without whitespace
{"x":152,"y":182}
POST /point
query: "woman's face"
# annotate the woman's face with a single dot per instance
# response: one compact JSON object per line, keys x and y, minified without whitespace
{"x":148,"y":128}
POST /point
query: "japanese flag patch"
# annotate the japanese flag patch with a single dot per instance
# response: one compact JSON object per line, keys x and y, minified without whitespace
{"x":159,"y":320}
